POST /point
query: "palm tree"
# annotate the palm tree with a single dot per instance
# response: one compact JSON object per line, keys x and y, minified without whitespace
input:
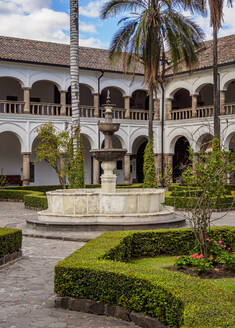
{"x":154,"y":30}
{"x":216,"y":19}
{"x":74,"y":68}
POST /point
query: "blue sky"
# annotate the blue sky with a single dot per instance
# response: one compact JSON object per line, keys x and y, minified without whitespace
{"x":48,"y":20}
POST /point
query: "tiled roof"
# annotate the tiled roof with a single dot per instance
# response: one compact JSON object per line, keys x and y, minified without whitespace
{"x":39,"y":52}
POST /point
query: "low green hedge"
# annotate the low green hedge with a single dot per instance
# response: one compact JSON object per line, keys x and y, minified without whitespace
{"x":36,"y":200}
{"x":13,"y":194}
{"x":10,"y":241}
{"x":177,"y":300}
{"x":228,"y":201}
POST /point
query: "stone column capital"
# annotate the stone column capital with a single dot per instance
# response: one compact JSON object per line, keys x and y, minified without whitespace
{"x":26,"y":153}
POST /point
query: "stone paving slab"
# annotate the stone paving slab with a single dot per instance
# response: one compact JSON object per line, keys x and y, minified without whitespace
{"x":26,"y":291}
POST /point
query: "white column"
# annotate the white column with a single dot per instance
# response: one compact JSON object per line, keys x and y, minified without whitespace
{"x":26,"y":168}
{"x":26,"y":100}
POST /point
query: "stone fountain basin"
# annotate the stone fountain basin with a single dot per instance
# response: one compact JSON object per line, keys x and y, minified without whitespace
{"x":108,"y":127}
{"x":108,"y":155}
{"x":85,"y":203}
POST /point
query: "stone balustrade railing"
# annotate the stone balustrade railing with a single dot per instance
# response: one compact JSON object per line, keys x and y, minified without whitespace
{"x":139,"y":114}
{"x":229,"y":109}
{"x":11,"y":107}
{"x":36,"y":108}
{"x":205,"y":111}
{"x":45,"y":109}
{"x":181,"y":114}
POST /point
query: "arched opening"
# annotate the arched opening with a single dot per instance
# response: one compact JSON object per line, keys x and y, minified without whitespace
{"x":205,"y":97}
{"x":139,"y":100}
{"x":116,"y":97}
{"x":206,"y":143}
{"x":182,"y":99}
{"x":11,"y":93}
{"x":41,"y":172}
{"x":119,"y":164}
{"x":45,"y":92}
{"x":180,"y":158}
{"x":86,"y":97}
{"x":230,"y":93}
{"x":11,"y":158}
{"x":137,"y":162}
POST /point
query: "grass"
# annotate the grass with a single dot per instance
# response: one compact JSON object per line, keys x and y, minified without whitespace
{"x":153,"y":264}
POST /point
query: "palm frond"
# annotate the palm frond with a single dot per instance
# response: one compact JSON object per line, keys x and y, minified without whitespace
{"x":116,"y":7}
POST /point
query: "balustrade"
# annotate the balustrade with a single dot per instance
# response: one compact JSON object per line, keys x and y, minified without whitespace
{"x":139,"y":114}
{"x":45,"y":109}
{"x":205,"y":111}
{"x":229,"y":109}
{"x":11,"y":107}
{"x":181,"y":114}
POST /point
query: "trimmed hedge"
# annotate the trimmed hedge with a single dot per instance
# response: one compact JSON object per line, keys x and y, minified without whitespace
{"x":10,"y":241}
{"x":181,"y":196}
{"x":36,"y":200}
{"x":177,"y":300}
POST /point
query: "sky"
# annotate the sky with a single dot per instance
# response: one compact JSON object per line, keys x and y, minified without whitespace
{"x":48,"y":20}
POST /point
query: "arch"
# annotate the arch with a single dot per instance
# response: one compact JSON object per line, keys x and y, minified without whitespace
{"x":49,"y":77}
{"x":138,"y":148}
{"x":175,"y":86}
{"x":86,"y":96}
{"x":200,"y":83}
{"x":45,"y":91}
{"x":205,"y":96}
{"x":18,"y":131}
{"x":11,"y":89}
{"x":87,"y":80}
{"x":229,"y":135}
{"x":174,"y":135}
{"x":139,"y":99}
{"x":230,"y":92}
{"x":137,"y":143}
{"x":180,"y":158}
{"x":11,"y":157}
{"x":182,"y":99}
{"x":204,"y":142}
{"x":115,"y":94}
{"x":226,"y":79}
{"x":109,"y":86}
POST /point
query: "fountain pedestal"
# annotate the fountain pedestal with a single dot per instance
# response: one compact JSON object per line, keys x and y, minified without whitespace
{"x":108,"y":179}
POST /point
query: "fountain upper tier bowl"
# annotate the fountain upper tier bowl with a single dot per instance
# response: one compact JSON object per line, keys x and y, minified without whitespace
{"x":108,"y":154}
{"x":108,"y":127}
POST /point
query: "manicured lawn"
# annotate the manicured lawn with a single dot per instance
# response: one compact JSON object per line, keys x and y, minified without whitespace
{"x":155,"y":263}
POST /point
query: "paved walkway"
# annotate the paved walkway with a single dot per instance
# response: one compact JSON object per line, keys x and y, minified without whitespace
{"x":26,"y":286}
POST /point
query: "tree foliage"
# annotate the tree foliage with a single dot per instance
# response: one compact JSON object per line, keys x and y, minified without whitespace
{"x":208,"y":174}
{"x":76,"y":174}
{"x":150,"y":180}
{"x":52,"y":147}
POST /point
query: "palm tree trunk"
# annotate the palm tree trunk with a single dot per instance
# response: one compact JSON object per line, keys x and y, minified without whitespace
{"x":74,"y":67}
{"x":151,"y":114}
{"x":215,"y":86}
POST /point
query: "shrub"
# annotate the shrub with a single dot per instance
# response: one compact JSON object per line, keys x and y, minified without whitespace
{"x":175,"y":299}
{"x":36,"y":200}
{"x":10,"y":241}
{"x":150,"y":180}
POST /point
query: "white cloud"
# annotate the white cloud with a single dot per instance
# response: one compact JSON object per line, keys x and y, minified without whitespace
{"x":92,"y":43}
{"x":33,"y":19}
{"x":92,"y":9}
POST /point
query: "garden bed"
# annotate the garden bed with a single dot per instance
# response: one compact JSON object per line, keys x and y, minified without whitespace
{"x":103,"y":271}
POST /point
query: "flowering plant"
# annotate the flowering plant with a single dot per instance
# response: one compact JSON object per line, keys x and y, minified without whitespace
{"x":218,"y":252}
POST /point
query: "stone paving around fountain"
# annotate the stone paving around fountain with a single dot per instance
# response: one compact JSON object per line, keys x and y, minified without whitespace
{"x":26,"y":286}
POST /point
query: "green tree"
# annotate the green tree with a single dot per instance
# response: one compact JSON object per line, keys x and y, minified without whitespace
{"x":151,"y":28}
{"x":150,"y":180}
{"x":53,"y":148}
{"x":206,"y":181}
{"x":76,"y":174}
{"x":216,"y":19}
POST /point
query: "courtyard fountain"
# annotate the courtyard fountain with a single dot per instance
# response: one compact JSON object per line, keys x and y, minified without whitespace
{"x":107,"y":208}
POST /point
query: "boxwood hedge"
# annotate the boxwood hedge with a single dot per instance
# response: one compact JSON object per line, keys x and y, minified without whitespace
{"x":97,"y":272}
{"x":10,"y":241}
